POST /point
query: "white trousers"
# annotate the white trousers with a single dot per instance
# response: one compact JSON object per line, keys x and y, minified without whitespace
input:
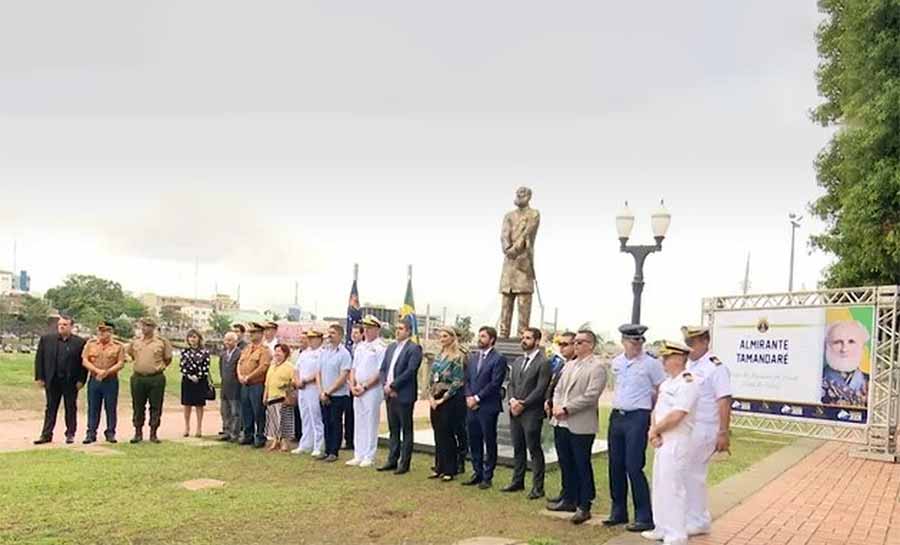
{"x":669,"y":493}
{"x":311,"y":419}
{"x":366,"y":419}
{"x":703,"y":444}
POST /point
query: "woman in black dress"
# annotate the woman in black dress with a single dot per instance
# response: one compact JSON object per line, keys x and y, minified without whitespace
{"x":194,"y":380}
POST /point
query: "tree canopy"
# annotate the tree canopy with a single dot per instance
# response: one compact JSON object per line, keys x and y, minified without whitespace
{"x":859,"y":78}
{"x":90,"y":299}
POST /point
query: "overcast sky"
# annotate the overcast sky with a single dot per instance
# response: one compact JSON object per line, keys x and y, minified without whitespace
{"x":283,"y":141}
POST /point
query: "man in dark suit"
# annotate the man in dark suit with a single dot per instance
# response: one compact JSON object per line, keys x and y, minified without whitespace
{"x":230,"y":400}
{"x":58,"y":370}
{"x":528,"y":381}
{"x":399,"y":374}
{"x":485,"y":373}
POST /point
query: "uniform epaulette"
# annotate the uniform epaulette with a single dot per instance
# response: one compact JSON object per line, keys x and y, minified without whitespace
{"x":688,"y":377}
{"x":715,"y":360}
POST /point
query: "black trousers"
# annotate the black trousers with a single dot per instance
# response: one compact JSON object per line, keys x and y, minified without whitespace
{"x":574,"y":451}
{"x":59,"y":390}
{"x":333,"y":420}
{"x":627,"y":438}
{"x":348,"y":428}
{"x":461,"y":431}
{"x":400,"y":423}
{"x":526,"y":439}
{"x":446,"y":447}
{"x":298,"y":423}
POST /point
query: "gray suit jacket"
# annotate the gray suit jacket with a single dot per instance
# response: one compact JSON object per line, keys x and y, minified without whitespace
{"x":530,"y":386}
{"x":578,"y":392}
{"x":231,"y":388}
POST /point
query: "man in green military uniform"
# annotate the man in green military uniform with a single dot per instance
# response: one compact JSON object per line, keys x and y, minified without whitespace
{"x":151,"y":355}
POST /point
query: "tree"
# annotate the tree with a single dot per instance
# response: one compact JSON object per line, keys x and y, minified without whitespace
{"x":89,"y":299}
{"x":464,"y":329}
{"x":859,"y":77}
{"x":33,"y":315}
{"x":123,"y":326}
{"x":219,"y":323}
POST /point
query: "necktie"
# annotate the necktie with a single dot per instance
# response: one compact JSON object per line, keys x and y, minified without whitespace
{"x":525,"y":365}
{"x":480,"y":361}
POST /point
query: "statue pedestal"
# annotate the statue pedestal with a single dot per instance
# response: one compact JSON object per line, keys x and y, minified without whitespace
{"x":512,"y":349}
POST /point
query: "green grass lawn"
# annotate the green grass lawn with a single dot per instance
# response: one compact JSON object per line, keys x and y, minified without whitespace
{"x":61,"y":496}
{"x":18,"y":390}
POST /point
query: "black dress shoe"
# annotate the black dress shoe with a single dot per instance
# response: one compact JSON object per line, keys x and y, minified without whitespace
{"x":70,"y":439}
{"x":535,"y":494}
{"x":513,"y":488}
{"x":611,"y":521}
{"x":43,"y":440}
{"x":111,"y":439}
{"x":555,"y":499}
{"x":245,"y":443}
{"x":89,"y":440}
{"x":581,"y":516}
{"x":485,"y":485}
{"x":401,"y":471}
{"x":562,"y":507}
{"x":638,"y":527}
{"x":474,"y":481}
{"x":387,"y":467}
{"x":137,"y":439}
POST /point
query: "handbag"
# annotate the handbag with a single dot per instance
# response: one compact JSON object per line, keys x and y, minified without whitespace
{"x":439,"y":390}
{"x":290,"y":398}
{"x":210,"y":392}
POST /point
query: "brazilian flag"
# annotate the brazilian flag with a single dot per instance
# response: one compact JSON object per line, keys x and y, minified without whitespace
{"x":408,"y":310}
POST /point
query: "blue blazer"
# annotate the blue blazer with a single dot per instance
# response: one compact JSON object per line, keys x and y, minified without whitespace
{"x":487,"y":383}
{"x":406,"y":372}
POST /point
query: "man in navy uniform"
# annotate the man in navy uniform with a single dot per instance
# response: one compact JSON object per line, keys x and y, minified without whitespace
{"x":637,"y":379}
{"x":485,"y":373}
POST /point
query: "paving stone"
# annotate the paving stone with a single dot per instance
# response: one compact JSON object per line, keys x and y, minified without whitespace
{"x":202,"y":484}
{"x":486,"y":540}
{"x":98,"y":451}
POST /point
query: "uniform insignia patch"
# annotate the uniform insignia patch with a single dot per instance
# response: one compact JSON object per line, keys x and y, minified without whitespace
{"x":715,"y":360}
{"x":688,"y":377}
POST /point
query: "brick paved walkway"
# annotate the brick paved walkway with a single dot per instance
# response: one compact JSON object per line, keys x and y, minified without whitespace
{"x":828,"y":498}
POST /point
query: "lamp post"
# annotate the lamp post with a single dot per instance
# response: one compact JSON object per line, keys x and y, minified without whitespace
{"x":659,"y":222}
{"x":795,"y":224}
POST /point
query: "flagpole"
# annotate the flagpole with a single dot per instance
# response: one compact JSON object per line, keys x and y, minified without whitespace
{"x":355,"y":272}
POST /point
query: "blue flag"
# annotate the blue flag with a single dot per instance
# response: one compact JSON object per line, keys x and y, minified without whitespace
{"x":408,"y":311}
{"x":354,"y":315}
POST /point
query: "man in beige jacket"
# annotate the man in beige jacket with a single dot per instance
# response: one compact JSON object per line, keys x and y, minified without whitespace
{"x":575,"y":420}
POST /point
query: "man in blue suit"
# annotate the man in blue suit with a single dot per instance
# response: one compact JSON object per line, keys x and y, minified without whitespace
{"x":399,"y":374}
{"x":485,"y":373}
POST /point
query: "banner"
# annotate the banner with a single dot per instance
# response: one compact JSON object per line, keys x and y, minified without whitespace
{"x":800,"y":362}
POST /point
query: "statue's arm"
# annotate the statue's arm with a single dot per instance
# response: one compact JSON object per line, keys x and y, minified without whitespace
{"x":506,"y":235}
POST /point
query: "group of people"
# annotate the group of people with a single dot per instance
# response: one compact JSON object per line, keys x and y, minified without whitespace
{"x":680,"y":405}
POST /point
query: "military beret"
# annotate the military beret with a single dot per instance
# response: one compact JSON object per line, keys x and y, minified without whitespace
{"x":314,"y":334}
{"x":692,"y":331}
{"x":671,"y":348}
{"x":147,"y":321}
{"x":633,"y":331}
{"x":254,"y":327}
{"x":105,"y":324}
{"x":271,"y":325}
{"x":371,"y":321}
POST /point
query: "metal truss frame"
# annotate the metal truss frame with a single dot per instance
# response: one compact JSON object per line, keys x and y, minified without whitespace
{"x":878,"y":438}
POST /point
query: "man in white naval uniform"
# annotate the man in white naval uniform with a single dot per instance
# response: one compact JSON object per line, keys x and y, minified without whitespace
{"x":670,"y":435}
{"x":306,"y":380}
{"x":712,"y":426}
{"x":365,"y":385}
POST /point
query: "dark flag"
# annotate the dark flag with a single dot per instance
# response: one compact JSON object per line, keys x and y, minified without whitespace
{"x":354,"y":314}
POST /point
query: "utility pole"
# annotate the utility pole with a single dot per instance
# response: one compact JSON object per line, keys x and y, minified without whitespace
{"x":745,"y":287}
{"x":795,"y":223}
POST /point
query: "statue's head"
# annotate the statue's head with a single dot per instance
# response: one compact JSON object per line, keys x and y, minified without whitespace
{"x":523,"y":197}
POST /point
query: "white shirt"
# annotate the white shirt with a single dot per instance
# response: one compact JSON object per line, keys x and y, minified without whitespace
{"x":715,"y":383}
{"x":400,"y":346}
{"x":271,"y":345}
{"x":367,"y":362}
{"x":307,"y":365}
{"x":678,"y":393}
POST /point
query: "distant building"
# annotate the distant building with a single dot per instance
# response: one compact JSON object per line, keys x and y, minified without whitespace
{"x":198,"y":311}
{"x":22,"y":282}
{"x":6,"y":282}
{"x":390,"y":316}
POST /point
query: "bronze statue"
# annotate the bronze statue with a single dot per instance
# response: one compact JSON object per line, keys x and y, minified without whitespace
{"x":520,"y":229}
